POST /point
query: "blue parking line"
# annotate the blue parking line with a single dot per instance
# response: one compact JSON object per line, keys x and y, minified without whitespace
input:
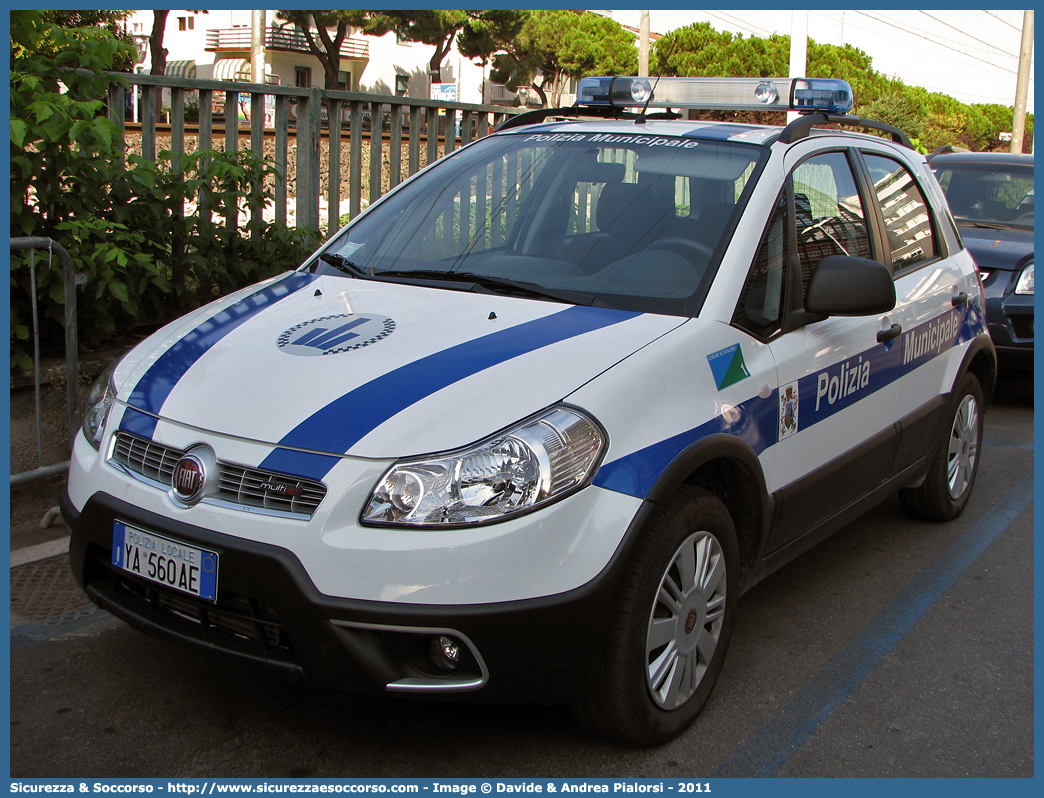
{"x":1009,"y":444}
{"x":768,"y":750}
{"x":30,"y":634}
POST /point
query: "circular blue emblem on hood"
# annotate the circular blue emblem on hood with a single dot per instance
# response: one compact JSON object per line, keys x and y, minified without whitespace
{"x":332,"y":334}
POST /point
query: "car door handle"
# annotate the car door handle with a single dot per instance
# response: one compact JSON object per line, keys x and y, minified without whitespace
{"x":892,"y":332}
{"x":959,"y":299}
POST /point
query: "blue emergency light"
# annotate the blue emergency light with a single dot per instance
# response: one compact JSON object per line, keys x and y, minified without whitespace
{"x":805,"y":95}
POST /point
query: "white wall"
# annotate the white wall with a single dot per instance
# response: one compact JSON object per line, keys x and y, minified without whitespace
{"x":388,"y":58}
{"x":186,"y":45}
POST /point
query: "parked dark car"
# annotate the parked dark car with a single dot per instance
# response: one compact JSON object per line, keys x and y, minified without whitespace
{"x":991,"y":196}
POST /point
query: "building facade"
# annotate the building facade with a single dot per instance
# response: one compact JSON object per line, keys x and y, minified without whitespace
{"x":216,"y":45}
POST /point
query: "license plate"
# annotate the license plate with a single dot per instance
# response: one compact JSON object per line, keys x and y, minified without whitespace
{"x":165,"y":561}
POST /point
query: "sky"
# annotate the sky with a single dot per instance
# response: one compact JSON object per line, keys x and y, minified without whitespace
{"x":971,"y":55}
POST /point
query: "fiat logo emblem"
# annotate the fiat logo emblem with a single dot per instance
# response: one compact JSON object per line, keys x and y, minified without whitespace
{"x":690,"y":621}
{"x":189,"y":478}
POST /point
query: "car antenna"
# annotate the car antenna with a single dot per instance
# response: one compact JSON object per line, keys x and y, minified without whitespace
{"x":641,"y":120}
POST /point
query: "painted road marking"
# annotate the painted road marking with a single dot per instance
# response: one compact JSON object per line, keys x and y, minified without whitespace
{"x":770,"y":748}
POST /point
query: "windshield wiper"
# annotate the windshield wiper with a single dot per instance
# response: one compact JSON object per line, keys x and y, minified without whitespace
{"x":343,"y":264}
{"x":499,"y":284}
{"x":984,"y":225}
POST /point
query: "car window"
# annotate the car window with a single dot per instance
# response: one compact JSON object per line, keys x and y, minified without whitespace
{"x":992,"y":193}
{"x":760,"y":307}
{"x":634,"y":220}
{"x":908,"y":221}
{"x":828,"y":212}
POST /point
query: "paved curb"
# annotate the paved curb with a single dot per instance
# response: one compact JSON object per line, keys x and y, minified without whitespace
{"x":41,"y":551}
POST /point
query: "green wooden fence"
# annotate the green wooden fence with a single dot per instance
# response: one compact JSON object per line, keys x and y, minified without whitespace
{"x":297,"y":118}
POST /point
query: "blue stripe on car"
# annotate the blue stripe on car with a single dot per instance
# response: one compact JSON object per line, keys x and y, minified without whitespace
{"x":821,"y":395}
{"x":157,"y":383}
{"x":138,"y":423}
{"x":345,"y":421}
{"x":636,"y":474}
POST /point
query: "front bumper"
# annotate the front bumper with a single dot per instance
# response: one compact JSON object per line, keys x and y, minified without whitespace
{"x":269,"y":611}
{"x":1010,"y":320}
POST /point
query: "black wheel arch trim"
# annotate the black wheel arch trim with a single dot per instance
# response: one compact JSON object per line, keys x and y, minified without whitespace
{"x":721,"y":448}
{"x":987,"y":375}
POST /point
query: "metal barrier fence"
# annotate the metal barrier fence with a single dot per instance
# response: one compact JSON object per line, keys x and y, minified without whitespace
{"x":298,"y":113}
{"x":72,"y":279}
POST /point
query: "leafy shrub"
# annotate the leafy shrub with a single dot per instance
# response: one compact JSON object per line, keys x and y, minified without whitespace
{"x":122,"y":219}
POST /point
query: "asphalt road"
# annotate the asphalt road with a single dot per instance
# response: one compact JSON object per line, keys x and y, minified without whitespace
{"x":893,"y":649}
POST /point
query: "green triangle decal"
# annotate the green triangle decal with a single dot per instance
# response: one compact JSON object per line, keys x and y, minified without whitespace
{"x":737,"y":370}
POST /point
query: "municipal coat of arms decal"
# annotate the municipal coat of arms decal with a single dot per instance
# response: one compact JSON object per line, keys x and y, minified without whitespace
{"x":788,"y":410}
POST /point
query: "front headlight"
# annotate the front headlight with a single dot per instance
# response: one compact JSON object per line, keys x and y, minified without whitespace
{"x":99,"y":402}
{"x":536,"y":462}
{"x":1025,"y":284}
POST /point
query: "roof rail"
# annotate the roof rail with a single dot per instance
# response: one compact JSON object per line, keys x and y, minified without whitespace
{"x":800,"y":127}
{"x":945,"y":149}
{"x":577,"y":111}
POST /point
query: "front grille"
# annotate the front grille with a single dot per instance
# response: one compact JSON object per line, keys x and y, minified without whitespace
{"x":240,"y":486}
{"x":1022,"y":325}
{"x":236,"y":616}
{"x":250,"y":625}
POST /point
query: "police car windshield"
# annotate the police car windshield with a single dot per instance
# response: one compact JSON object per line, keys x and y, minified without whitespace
{"x":625,"y":220}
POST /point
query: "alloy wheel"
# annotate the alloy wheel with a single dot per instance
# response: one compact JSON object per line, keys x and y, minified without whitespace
{"x":964,"y":447}
{"x":686,"y":620}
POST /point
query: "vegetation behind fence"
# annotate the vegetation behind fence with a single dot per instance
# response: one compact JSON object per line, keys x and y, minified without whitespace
{"x":163,"y":219}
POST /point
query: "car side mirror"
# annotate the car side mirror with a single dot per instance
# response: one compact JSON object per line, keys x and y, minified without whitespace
{"x":843,"y":285}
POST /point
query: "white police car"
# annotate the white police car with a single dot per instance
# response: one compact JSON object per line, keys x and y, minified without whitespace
{"x":529,"y":426}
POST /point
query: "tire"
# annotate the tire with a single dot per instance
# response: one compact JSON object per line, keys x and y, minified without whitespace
{"x":951,"y":476}
{"x":672,"y":627}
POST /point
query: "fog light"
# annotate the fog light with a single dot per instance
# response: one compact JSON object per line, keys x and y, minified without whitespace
{"x":445,"y":652}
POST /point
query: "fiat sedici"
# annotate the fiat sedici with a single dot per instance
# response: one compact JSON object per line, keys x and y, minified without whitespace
{"x":528,"y":427}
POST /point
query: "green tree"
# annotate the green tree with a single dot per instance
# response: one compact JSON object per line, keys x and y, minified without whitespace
{"x":470,"y":29}
{"x":328,"y":47}
{"x":931,"y":118}
{"x":847,"y":63}
{"x":159,"y":52}
{"x":897,"y":107}
{"x":111,"y":22}
{"x":552,"y":46}
{"x":487,"y":33}
{"x":118,"y":220}
{"x":700,"y":51}
{"x":437,"y":28}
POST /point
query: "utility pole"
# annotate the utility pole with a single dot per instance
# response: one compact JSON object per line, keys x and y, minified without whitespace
{"x":643,"y":45}
{"x":257,"y":46}
{"x":798,"y":49}
{"x":1018,"y":127}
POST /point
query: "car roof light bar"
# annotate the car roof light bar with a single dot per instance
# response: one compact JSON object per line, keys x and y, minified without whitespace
{"x":805,"y":95}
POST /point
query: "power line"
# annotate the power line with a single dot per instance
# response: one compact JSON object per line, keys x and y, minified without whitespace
{"x":965,"y":33}
{"x":927,"y":37}
{"x":998,"y":18}
{"x":990,"y":98}
{"x":949,"y":90}
{"x":738,"y":23}
{"x":940,"y":41}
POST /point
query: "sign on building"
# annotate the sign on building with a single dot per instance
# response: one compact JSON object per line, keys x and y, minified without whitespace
{"x":444,"y":92}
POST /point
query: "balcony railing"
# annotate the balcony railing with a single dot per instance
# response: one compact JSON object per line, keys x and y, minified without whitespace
{"x":288,"y":40}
